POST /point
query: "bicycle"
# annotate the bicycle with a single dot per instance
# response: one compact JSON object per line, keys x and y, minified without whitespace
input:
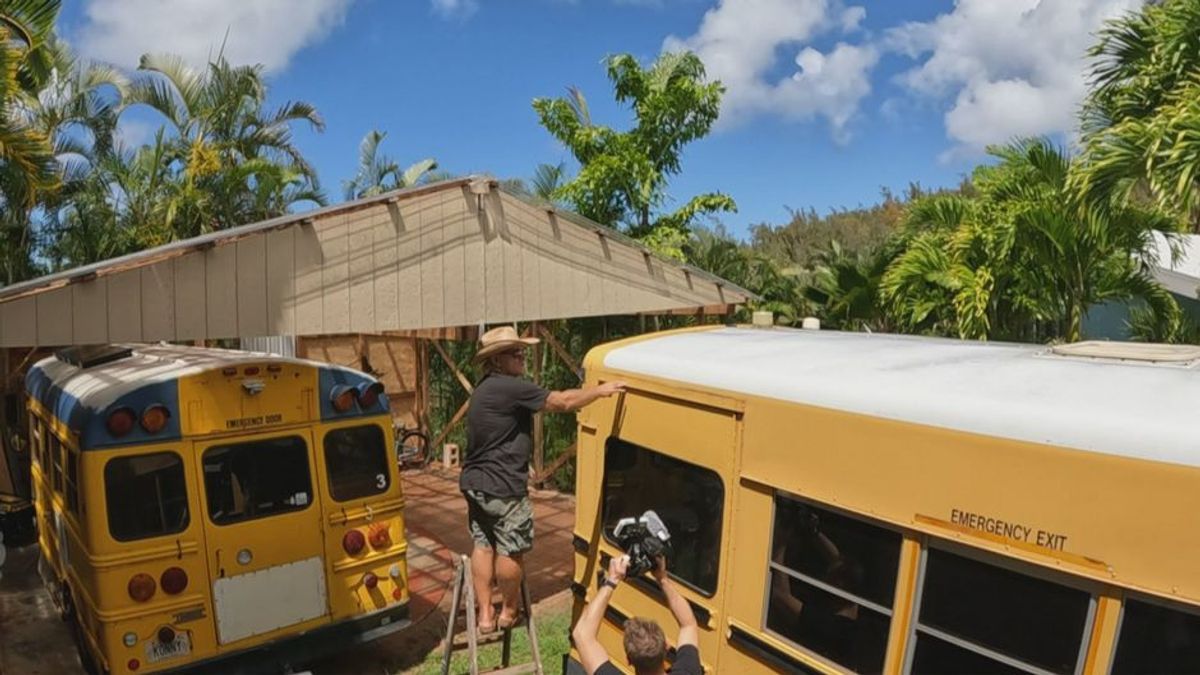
{"x":412,"y":448}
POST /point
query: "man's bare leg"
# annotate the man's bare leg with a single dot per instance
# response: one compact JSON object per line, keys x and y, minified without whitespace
{"x":508,"y":577}
{"x":482,"y":560}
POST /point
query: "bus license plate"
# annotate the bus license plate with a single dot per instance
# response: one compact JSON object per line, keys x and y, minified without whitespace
{"x":157,"y":651}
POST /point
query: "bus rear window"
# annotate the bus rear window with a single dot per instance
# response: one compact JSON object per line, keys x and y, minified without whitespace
{"x":1156,"y":639}
{"x":146,"y":496}
{"x":357,"y":462}
{"x":690,"y":500}
{"x":256,"y":479}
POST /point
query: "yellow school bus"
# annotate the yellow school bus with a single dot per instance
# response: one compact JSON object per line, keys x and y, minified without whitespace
{"x":845,"y":502}
{"x":194,"y":504}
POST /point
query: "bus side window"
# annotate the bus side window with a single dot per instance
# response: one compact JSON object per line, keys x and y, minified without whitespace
{"x":35,"y":436}
{"x":833,"y":580}
{"x":1157,"y":639}
{"x":56,"y":463}
{"x":357,"y":462}
{"x":146,"y":496}
{"x":690,"y":500}
{"x":976,"y":617}
{"x":72,"y":481}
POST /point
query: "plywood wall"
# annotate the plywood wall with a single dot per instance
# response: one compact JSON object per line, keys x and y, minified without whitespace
{"x":391,"y":359}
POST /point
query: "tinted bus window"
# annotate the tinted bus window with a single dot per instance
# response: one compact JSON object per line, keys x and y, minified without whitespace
{"x":257,"y":479}
{"x":146,"y":496}
{"x":1157,"y":639}
{"x":970,"y":609}
{"x":690,"y":500}
{"x":357,"y":462}
{"x":833,"y":579}
{"x":73,"y":481}
{"x":56,"y":460}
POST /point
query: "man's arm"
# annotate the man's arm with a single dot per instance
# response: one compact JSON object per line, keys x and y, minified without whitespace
{"x":689,"y":630}
{"x":574,"y":399}
{"x":591,"y":652}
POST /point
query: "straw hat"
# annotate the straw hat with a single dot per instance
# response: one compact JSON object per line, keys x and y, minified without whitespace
{"x":501,"y":339}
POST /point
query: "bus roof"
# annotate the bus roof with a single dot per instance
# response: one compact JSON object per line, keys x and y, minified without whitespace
{"x":1023,"y":392}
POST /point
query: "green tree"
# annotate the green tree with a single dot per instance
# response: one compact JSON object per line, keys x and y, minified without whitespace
{"x":1026,"y":257}
{"x":378,"y":173}
{"x":623,"y":175}
{"x":845,"y":285}
{"x":1141,"y":119}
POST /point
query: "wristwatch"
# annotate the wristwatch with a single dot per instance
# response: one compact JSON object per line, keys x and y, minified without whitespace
{"x":610,"y":583}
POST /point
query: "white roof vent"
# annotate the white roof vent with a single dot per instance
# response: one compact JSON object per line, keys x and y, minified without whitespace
{"x":1141,"y":352}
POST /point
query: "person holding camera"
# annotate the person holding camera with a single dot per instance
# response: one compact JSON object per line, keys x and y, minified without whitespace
{"x":495,"y":474}
{"x":645,"y":644}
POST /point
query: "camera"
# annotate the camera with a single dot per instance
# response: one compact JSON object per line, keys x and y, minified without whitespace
{"x":644,"y":539}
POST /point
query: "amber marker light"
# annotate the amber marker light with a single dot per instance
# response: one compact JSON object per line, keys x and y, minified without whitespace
{"x":154,"y":418}
{"x":342,"y":397}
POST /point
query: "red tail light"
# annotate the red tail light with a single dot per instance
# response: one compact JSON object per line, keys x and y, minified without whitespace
{"x":173,"y":581}
{"x":154,"y":418}
{"x":252,"y":370}
{"x":370,"y":581}
{"x":120,"y":422}
{"x":380,"y":539}
{"x":134,"y":664}
{"x":368,"y":394}
{"x":397,"y":594}
{"x":354,"y":542}
{"x":342,"y":397}
{"x":141,"y":587}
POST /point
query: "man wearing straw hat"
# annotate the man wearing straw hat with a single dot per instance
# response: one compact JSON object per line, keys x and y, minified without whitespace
{"x":495,"y":475}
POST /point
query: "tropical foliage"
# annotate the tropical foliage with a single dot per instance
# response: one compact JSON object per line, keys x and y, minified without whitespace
{"x":378,"y":173}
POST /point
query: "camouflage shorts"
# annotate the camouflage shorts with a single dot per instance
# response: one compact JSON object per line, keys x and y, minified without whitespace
{"x":505,"y":525}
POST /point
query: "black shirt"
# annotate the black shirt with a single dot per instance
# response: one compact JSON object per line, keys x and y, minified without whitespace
{"x":687,"y":662}
{"x":499,"y":441}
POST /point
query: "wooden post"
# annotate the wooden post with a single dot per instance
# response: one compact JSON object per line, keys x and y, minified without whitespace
{"x":539,"y":449}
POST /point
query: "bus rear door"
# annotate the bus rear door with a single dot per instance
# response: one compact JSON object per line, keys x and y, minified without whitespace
{"x":264,"y":537}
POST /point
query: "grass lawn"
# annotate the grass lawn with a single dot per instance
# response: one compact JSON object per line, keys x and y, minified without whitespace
{"x":553,"y":629}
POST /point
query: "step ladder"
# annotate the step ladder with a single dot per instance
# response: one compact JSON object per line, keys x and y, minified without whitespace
{"x":464,"y":594}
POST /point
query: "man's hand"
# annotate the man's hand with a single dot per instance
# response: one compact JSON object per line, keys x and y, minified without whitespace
{"x":609,"y":388}
{"x":617,"y":568}
{"x":660,"y":568}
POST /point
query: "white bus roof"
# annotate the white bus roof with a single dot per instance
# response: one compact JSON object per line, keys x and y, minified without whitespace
{"x":1138,"y":409}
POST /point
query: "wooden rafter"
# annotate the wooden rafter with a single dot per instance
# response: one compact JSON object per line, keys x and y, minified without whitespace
{"x":462,"y":379}
{"x":561,"y":352}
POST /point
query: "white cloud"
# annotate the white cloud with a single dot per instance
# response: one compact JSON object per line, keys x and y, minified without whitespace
{"x":269,"y":32}
{"x":1011,"y":68}
{"x":740,"y":41}
{"x":455,"y":8}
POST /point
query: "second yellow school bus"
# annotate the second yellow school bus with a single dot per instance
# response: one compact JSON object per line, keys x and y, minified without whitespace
{"x":196,"y":504}
{"x":846,"y":502}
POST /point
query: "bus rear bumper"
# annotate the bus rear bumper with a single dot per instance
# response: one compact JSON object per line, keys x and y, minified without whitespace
{"x":299,"y":649}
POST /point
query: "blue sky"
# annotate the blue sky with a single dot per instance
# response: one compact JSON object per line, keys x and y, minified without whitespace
{"x":828,"y":101}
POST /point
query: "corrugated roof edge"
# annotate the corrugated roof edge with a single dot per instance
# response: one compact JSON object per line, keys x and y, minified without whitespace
{"x":177,"y":248}
{"x":622,"y":238}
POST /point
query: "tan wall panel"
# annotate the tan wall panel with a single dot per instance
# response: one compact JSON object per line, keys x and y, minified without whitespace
{"x":335,"y":273}
{"x":308,"y":261}
{"x":281,"y":278}
{"x":221,"y":294}
{"x":191,"y":297}
{"x":252,"y":287}
{"x":89,"y":302}
{"x":475,"y":291}
{"x":409,"y":292}
{"x":454,"y":260}
{"x":125,"y":307}
{"x":360,"y":238}
{"x":159,"y":302}
{"x":433,"y":303}
{"x":525,"y":239}
{"x":18,"y":322}
{"x":495,"y":298}
{"x":385,"y":273}
{"x":54,"y":317}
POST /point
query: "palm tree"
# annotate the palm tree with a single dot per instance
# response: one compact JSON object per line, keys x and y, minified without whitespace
{"x":1141,"y":117}
{"x":223,"y":141}
{"x":378,"y":173}
{"x":846,"y":286}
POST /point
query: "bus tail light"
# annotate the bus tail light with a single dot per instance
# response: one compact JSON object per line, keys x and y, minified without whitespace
{"x":154,"y":418}
{"x":368,"y":394}
{"x":250,"y":370}
{"x":342,"y":397}
{"x":141,"y":587}
{"x":397,"y":594}
{"x":354,"y":542}
{"x":173,"y":581}
{"x":380,"y":539}
{"x":120,"y":422}
{"x":370,"y":581}
{"x":133,"y":664}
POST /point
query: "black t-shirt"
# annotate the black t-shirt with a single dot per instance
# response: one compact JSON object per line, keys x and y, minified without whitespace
{"x":687,"y":662}
{"x":499,"y":441}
